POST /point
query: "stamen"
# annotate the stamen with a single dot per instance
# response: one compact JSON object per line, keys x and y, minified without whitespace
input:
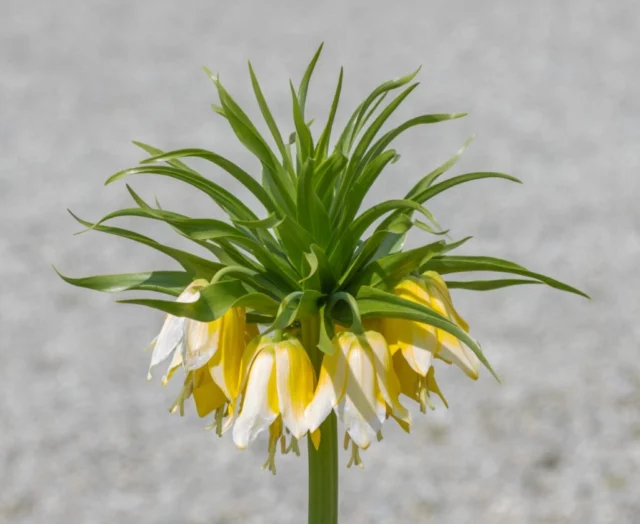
{"x":355,"y":459}
{"x":379,"y":435}
{"x":422,"y":393}
{"x":275,"y":436}
{"x":293,"y":446}
{"x":185,"y":393}
{"x":220,"y":413}
{"x":347,"y":439}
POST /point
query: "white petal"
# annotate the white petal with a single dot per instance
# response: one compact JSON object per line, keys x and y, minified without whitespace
{"x":258,"y":409}
{"x":387,"y":380}
{"x":171,"y":335}
{"x":172,"y":332}
{"x":331,"y":382}
{"x":452,"y":350}
{"x":362,"y":409}
{"x":201,"y":340}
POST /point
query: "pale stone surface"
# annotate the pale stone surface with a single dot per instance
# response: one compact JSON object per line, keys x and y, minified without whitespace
{"x":552,"y":91}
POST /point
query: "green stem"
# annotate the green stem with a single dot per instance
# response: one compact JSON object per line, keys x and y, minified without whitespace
{"x":323,"y":462}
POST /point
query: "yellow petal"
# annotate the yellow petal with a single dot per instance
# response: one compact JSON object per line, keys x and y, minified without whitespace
{"x":315,"y":438}
{"x":331,"y":382}
{"x":295,"y":379}
{"x":207,"y":396}
{"x":432,"y":385}
{"x":418,"y":342}
{"x":439,"y":284}
{"x":225,"y":365}
{"x":260,"y":402}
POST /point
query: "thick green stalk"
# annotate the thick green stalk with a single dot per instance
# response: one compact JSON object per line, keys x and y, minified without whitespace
{"x":323,"y":462}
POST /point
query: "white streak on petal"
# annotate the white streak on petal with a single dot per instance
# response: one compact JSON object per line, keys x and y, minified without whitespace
{"x":331,"y":382}
{"x":172,"y":332}
{"x":387,"y":380}
{"x":171,"y":335}
{"x":360,"y":410}
{"x":257,"y":409}
{"x":201,"y":341}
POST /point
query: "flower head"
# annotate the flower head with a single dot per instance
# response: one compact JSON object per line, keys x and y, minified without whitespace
{"x":296,"y":262}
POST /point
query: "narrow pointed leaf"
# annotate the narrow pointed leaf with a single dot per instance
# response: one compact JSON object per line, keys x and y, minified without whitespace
{"x":489,"y":285}
{"x":168,"y":282}
{"x":459,"y":264}
{"x":236,"y":172}
{"x":306,"y":78}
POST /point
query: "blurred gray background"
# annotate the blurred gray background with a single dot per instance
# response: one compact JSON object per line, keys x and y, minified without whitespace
{"x":552,"y":92}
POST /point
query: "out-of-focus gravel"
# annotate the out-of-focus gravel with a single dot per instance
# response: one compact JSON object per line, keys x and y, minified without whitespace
{"x":552,"y":92}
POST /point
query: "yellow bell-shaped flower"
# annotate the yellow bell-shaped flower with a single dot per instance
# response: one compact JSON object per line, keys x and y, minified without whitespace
{"x":420,"y":343}
{"x":278,"y":381}
{"x":359,"y":383}
{"x":210,"y":353}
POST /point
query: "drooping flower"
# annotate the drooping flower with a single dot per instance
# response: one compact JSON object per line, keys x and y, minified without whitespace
{"x":414,"y":385}
{"x":278,"y":381}
{"x":209,"y":352}
{"x":359,"y":383}
{"x":420,"y":343}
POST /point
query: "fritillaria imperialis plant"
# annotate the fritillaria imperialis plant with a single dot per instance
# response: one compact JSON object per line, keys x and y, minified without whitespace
{"x":310,"y":310}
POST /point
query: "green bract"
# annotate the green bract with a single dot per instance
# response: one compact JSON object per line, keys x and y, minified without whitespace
{"x":308,"y":250}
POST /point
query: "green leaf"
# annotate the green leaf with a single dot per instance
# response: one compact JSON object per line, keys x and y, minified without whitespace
{"x":214,"y":301}
{"x":327,"y":174}
{"x":197,"y":266}
{"x":389,"y":137}
{"x":375,"y":303}
{"x":320,"y":275}
{"x":236,"y":172}
{"x":228,"y":202}
{"x":269,"y":222}
{"x":387,"y":272}
{"x":352,"y":170}
{"x":427,"y":180}
{"x":276,"y":180}
{"x":168,"y":282}
{"x":458,"y":264}
{"x":359,"y":190}
{"x":295,"y":240}
{"x":171,"y":161}
{"x":357,"y":228}
{"x":306,"y":78}
{"x":456,"y":180}
{"x":488,"y":285}
{"x":295,"y":306}
{"x":323,"y":143}
{"x":327,"y":332}
{"x":194,"y":228}
{"x":303,"y":135}
{"x":361,"y":111}
{"x":271,"y":123}
{"x":312,"y":215}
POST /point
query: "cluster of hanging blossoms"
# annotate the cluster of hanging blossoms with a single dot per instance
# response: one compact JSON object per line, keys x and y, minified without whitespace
{"x":317,"y":307}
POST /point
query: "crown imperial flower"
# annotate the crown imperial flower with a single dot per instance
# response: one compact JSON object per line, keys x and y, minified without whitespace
{"x":286,"y":288}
